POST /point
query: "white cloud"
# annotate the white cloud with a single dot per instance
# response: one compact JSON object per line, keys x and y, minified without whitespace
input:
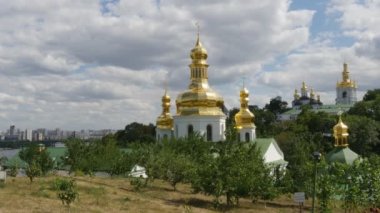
{"x":73,"y":64}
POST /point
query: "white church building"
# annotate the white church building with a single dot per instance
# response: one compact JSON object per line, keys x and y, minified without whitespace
{"x":199,"y":109}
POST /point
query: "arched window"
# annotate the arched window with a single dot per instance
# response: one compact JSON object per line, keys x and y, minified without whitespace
{"x":158,"y":137}
{"x":165,"y":138}
{"x":190,"y":130}
{"x":209,"y":132}
{"x":344,"y":94}
{"x":247,"y":139}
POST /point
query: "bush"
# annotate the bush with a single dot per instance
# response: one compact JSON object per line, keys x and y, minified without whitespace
{"x":67,"y":191}
{"x":138,"y":183}
{"x":13,"y":171}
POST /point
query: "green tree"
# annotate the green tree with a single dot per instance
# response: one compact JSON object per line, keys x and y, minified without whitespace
{"x":67,"y":191}
{"x":364,"y":136}
{"x":231,"y":169}
{"x":136,"y":132}
{"x":371,"y":95}
{"x":175,"y":167}
{"x":39,"y":156}
{"x":277,"y":105}
{"x":33,"y":170}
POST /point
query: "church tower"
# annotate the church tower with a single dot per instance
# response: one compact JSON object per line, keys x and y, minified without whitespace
{"x":346,"y":89}
{"x":341,"y":152}
{"x":164,"y":121}
{"x":244,"y":119}
{"x":199,"y":109}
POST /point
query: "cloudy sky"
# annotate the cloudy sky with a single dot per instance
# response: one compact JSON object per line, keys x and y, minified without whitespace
{"x":93,"y":64}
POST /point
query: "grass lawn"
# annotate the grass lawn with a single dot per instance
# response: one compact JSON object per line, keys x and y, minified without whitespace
{"x":117,"y":195}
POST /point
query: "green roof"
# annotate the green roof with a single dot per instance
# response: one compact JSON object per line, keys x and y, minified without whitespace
{"x":342,"y":155}
{"x":263,"y":143}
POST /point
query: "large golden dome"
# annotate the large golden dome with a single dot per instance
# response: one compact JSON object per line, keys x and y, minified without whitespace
{"x":199,"y":99}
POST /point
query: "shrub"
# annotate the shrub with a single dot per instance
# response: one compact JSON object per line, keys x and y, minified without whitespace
{"x":138,"y":183}
{"x":67,"y":191}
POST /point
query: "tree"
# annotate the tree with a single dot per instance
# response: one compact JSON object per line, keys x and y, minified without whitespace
{"x":364,"y":134}
{"x":33,"y":170}
{"x":175,"y":167}
{"x":134,"y":132}
{"x":371,"y":95}
{"x":39,"y":156}
{"x":97,"y":155}
{"x":231,"y":169}
{"x":67,"y":192}
{"x":276,"y":105}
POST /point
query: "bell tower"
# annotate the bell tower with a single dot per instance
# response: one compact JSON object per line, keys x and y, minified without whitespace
{"x":346,"y":89}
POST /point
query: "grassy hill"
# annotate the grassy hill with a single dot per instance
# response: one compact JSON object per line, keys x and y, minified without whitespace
{"x":117,"y":195}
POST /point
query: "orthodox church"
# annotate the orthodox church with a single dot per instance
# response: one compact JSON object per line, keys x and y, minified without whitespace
{"x":345,"y":98}
{"x":304,"y":99}
{"x":200,"y":109}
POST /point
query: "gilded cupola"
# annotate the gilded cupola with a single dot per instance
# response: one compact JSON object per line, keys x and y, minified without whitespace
{"x":312,"y":95}
{"x":340,"y":133}
{"x":304,"y":89}
{"x":346,"y":81}
{"x":165,"y":120}
{"x":296,"y":95}
{"x":244,"y":118}
{"x":199,"y":99}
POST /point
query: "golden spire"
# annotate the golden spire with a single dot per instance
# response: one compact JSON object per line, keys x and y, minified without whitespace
{"x":345,"y":73}
{"x":312,"y":93}
{"x":199,"y":99}
{"x":244,"y":118}
{"x":346,"y":81}
{"x":296,"y":96}
{"x":304,"y":89}
{"x":199,"y":55}
{"x":340,"y":133}
{"x":165,"y":120}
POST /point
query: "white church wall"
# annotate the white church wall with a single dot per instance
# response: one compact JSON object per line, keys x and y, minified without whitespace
{"x":272,"y":154}
{"x":199,"y":123}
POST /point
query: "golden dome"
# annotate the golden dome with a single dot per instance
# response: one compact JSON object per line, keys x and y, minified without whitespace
{"x":199,"y":99}
{"x":312,"y":95}
{"x":165,"y":120}
{"x":199,"y":54}
{"x":244,"y":118}
{"x":341,"y":133}
{"x":346,"y":81}
{"x":296,"y":96}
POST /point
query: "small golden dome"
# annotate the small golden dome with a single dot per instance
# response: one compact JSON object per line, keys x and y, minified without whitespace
{"x":296,"y":96}
{"x":199,"y":54}
{"x":165,"y":120}
{"x":244,"y":118}
{"x":341,"y":133}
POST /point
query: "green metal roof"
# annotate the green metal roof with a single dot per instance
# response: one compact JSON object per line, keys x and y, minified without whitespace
{"x":263,"y":143}
{"x":342,"y":155}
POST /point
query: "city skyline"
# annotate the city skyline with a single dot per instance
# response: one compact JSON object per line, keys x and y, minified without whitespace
{"x":104,"y":64}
